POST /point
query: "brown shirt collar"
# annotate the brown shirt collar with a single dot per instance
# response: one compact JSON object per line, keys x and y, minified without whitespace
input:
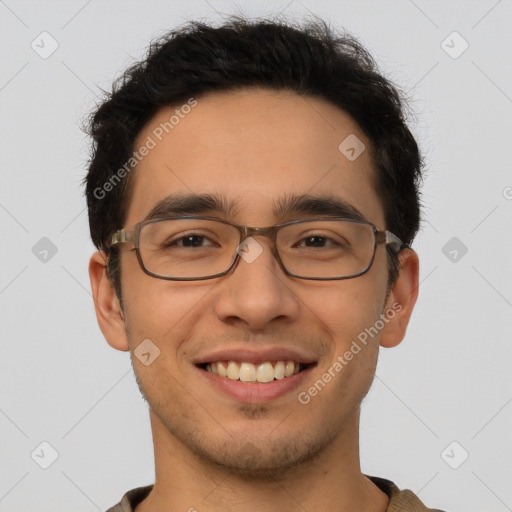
{"x":399,"y":500}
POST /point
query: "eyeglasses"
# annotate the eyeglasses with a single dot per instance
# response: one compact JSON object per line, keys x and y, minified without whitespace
{"x":189,"y":248}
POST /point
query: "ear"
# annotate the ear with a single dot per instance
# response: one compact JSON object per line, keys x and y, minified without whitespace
{"x":401,"y":300}
{"x":106,"y":303}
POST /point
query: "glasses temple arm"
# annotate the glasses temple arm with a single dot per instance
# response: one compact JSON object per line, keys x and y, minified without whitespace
{"x":390,"y":239}
{"x":119,"y":237}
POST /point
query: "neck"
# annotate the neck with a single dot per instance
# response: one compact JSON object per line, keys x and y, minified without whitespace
{"x":328,"y":480}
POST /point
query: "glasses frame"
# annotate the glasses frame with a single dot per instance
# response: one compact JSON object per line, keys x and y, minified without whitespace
{"x":132,"y":235}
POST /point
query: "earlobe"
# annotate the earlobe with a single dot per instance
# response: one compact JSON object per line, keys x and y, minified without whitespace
{"x":401,"y":300}
{"x":106,"y":304}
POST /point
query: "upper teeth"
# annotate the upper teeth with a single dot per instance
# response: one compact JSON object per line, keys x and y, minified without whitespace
{"x":248,"y":372}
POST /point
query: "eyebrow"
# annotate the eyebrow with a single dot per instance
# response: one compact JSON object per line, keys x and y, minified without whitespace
{"x":287,"y":206}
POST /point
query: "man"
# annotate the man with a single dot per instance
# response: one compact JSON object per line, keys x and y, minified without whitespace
{"x":253,"y":193}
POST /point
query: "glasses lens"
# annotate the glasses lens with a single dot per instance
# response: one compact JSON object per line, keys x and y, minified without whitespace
{"x":188,"y":248}
{"x":199,"y":248}
{"x":325,"y":248}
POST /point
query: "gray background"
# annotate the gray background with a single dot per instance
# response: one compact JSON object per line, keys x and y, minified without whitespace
{"x":448,"y":381}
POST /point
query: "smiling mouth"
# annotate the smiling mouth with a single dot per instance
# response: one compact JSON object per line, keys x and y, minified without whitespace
{"x":264,"y":372}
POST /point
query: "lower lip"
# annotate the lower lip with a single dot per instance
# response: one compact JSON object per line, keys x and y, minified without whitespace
{"x":256,"y":391}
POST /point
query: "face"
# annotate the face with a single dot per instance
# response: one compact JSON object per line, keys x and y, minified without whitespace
{"x":254,"y":147}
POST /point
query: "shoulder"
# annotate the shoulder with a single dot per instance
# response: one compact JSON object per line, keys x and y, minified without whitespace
{"x":131,"y":499}
{"x":400,"y":500}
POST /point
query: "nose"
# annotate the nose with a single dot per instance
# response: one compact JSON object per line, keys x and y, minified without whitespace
{"x":257,"y":291}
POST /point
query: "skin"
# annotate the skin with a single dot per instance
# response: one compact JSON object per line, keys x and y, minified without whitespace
{"x":213,"y":452}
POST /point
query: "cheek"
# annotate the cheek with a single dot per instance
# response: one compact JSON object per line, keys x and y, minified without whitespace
{"x":164,"y":313}
{"x":347,"y":307}
{"x":161,"y":310}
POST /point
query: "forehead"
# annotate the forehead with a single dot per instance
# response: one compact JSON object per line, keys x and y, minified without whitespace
{"x":257,"y":149}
